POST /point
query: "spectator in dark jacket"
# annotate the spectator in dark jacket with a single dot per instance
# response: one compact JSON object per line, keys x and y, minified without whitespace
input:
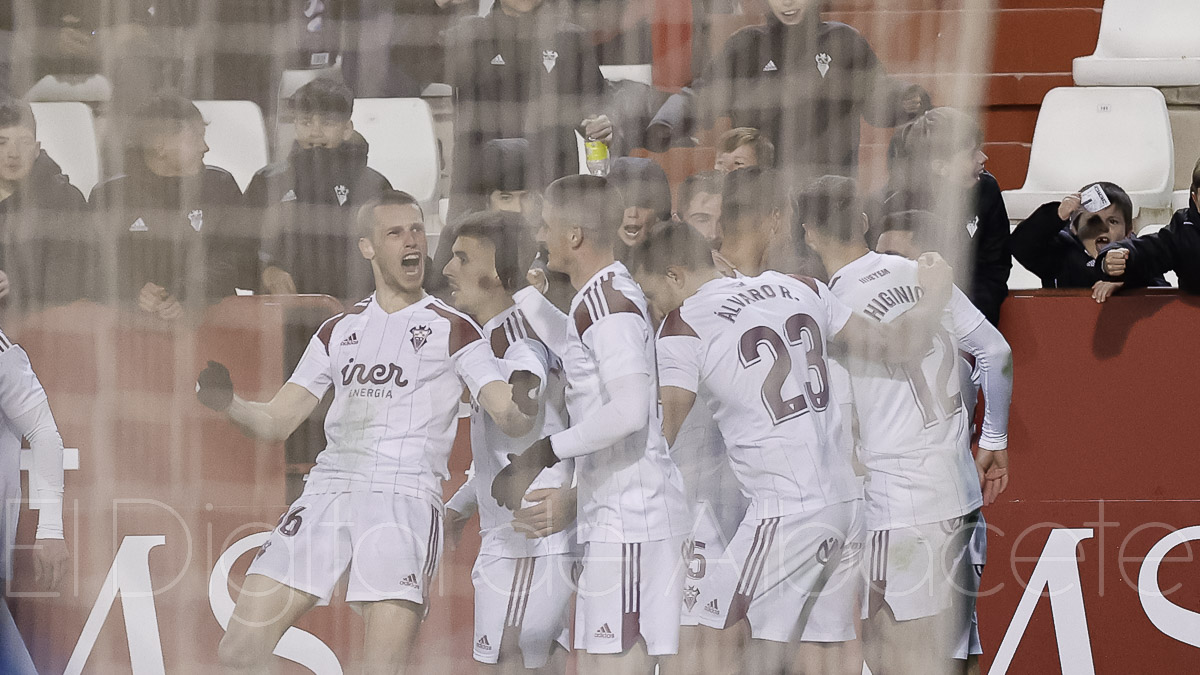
{"x":42,"y":253}
{"x":936,"y":163}
{"x":1059,"y":242}
{"x":1175,"y":247}
{"x":522,"y":72}
{"x":806,"y":84}
{"x":307,"y":202}
{"x":167,"y":234}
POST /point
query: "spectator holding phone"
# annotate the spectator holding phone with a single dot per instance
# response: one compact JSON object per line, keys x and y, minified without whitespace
{"x":1059,"y":242}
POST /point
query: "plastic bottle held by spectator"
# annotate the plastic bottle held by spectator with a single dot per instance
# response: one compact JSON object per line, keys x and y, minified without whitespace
{"x":596,"y":153}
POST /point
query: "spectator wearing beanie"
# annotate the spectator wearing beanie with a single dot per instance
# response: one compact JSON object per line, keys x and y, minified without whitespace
{"x":307,"y":202}
{"x":647,"y":194}
{"x":167,"y":235}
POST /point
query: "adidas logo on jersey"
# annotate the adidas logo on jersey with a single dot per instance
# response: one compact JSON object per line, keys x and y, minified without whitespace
{"x":483,"y":644}
{"x":498,"y":60}
{"x":605,"y":633}
{"x":770,"y":67}
{"x":139,"y":225}
{"x":410,"y":581}
{"x":352,"y":340}
{"x":712,"y":607}
{"x":289,"y":196}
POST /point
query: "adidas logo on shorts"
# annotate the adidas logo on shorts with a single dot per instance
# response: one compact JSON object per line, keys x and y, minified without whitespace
{"x":483,"y":644}
{"x":410,"y":581}
{"x":352,"y":340}
{"x":605,"y":633}
{"x":711,"y":607}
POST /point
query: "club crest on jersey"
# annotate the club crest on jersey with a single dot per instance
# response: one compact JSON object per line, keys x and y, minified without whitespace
{"x":549,"y":58}
{"x":823,"y":61}
{"x":973,"y":226}
{"x":196,"y":218}
{"x":343,"y":193}
{"x":690,"y":595}
{"x":420,"y":335}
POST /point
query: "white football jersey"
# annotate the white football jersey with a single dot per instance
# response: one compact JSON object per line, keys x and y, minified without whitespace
{"x":914,"y":430}
{"x":397,"y":380}
{"x":755,"y":349}
{"x":630,"y":492}
{"x":514,"y":342}
{"x":708,"y":478}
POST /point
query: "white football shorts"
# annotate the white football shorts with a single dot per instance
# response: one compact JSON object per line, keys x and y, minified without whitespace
{"x":387,"y":544}
{"x":627,"y":591}
{"x":785,"y":563}
{"x":707,"y":560}
{"x":527,"y":599}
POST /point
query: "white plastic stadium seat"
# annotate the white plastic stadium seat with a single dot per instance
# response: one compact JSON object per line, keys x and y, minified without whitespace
{"x":403,"y":145}
{"x":236,"y":137}
{"x":67,"y":131}
{"x":84,"y":88}
{"x":1180,"y":200}
{"x":1144,"y":42}
{"x":641,"y":72}
{"x":1021,"y":279}
{"x":1089,"y":134}
{"x":1171,"y":277}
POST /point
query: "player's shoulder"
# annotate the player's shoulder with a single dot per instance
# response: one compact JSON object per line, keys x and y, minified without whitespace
{"x":339,"y":323}
{"x":675,"y":325}
{"x":613,"y":292}
{"x":871,"y":269}
{"x":512,"y":330}
{"x":462,"y":328}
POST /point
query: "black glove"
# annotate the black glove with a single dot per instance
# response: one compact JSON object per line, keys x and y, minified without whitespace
{"x":214,"y":387}
{"x":514,"y":480}
{"x":523,"y":383}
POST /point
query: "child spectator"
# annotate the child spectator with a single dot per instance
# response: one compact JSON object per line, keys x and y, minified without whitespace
{"x":806,"y":84}
{"x":647,"y":194}
{"x":1175,"y":247}
{"x":700,"y":203}
{"x":307,"y":202}
{"x":1059,"y":242}
{"x":743,"y":147}
{"x":41,"y":257}
{"x":936,"y":163}
{"x":167,"y":234}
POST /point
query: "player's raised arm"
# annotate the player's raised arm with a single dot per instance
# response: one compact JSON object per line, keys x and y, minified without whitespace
{"x":908,"y":337}
{"x":273,"y":420}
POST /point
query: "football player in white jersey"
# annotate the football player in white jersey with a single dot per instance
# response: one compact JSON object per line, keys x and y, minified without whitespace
{"x":633,"y":515}
{"x":735,"y":340}
{"x":25,"y":412}
{"x":523,"y":583}
{"x":371,"y":506}
{"x":922,"y":491}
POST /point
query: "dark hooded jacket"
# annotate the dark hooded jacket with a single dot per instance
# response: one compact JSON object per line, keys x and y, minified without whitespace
{"x":43,"y":227}
{"x":307,"y":205}
{"x":182,"y":233}
{"x":1175,"y":247}
{"x":806,"y":87}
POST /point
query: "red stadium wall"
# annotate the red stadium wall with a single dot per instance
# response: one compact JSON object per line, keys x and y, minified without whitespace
{"x":174,"y":501}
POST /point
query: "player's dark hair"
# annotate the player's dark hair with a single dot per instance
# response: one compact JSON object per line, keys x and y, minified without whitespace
{"x":939,"y":134}
{"x":165,"y":112}
{"x":1196,"y":177}
{"x":16,"y":113}
{"x":748,"y":196}
{"x":1118,"y":196}
{"x":364,"y":220}
{"x":643,"y":184}
{"x":764,"y":149}
{"x":672,"y":244}
{"x":323,"y":96}
{"x":589,"y":202}
{"x":830,"y":205}
{"x":923,"y":225}
{"x":705,"y":182}
{"x":508,"y":234}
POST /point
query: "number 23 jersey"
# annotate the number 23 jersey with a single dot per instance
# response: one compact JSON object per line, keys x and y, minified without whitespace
{"x":914,"y":429}
{"x":754,"y":348}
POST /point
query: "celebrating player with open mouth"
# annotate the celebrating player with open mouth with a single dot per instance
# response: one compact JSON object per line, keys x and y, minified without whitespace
{"x":397,"y":363}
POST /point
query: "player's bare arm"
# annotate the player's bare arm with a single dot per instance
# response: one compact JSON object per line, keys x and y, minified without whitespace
{"x":500,"y":401}
{"x":907,"y":337}
{"x":273,"y":420}
{"x":677,"y":402}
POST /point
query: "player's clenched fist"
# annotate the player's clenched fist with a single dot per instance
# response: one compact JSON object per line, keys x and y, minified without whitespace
{"x":1114,"y":261}
{"x":214,"y":387}
{"x":525,"y":391}
{"x":514,"y":480}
